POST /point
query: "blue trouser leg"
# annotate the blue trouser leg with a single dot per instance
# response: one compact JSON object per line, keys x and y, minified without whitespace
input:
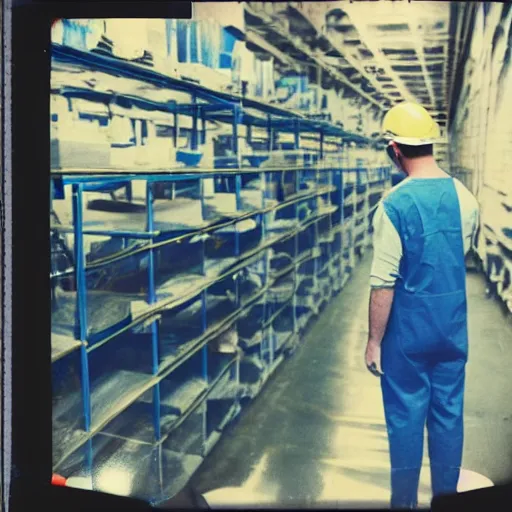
{"x":406,"y":395}
{"x":412,"y":396}
{"x":445,"y":425}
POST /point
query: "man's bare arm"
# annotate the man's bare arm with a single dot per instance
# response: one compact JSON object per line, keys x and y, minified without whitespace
{"x":385,"y":271}
{"x":381,"y":300}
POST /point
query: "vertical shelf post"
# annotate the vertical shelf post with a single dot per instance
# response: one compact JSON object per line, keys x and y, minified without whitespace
{"x":204,"y":322}
{"x":204,"y":364}
{"x":203,"y":127}
{"x":150,"y":228}
{"x":268,"y":309}
{"x":264,"y":338}
{"x":270,"y":136}
{"x":249,"y":134}
{"x":296,"y":237}
{"x":315,"y":228}
{"x":194,"y":135}
{"x":81,"y":295}
{"x":270,"y":145}
{"x":341,"y":184}
{"x":238,"y":176}
{"x":237,"y":116}
{"x":176,"y":130}
{"x":152,"y":300}
{"x":366,"y":205}
{"x":264,"y":195}
{"x":296,"y":134}
{"x":81,"y":289}
{"x":264,"y":347}
{"x":330,"y":244}
{"x":203,"y":216}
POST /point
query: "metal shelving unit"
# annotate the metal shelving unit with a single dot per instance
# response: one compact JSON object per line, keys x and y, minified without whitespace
{"x":171,"y":308}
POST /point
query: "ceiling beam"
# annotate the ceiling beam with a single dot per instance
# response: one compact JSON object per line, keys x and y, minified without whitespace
{"x":463,"y":24}
{"x":456,"y":45}
{"x":360,"y":25}
{"x":426,"y":74}
{"x":254,"y":38}
{"x":317,"y":20}
{"x":405,"y":40}
{"x":298,"y":45}
{"x":434,"y":62}
{"x":411,"y":73}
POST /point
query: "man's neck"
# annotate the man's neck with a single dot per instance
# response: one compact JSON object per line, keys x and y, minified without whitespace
{"x":425,"y":168}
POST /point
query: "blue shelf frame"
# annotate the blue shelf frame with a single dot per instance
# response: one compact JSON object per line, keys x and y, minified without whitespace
{"x":229,"y":109}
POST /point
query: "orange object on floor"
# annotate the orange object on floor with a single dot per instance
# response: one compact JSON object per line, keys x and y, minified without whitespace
{"x":58,"y":480}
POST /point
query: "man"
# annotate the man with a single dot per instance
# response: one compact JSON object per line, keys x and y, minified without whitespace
{"x":422,"y":230}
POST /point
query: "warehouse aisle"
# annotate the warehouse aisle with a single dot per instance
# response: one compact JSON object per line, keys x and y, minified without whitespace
{"x":316,"y":434}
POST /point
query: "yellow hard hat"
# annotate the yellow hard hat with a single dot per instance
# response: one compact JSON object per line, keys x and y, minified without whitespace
{"x":410,"y":124}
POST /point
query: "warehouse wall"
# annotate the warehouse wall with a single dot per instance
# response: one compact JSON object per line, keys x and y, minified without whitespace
{"x":481,"y":135}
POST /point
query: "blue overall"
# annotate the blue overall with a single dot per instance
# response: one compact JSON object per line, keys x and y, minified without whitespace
{"x":425,"y":347}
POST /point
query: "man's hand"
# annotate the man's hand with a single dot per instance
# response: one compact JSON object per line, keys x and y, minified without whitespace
{"x":381,"y":300}
{"x":372,"y":358}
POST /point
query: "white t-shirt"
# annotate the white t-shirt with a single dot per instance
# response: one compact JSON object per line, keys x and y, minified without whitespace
{"x":387,"y":246}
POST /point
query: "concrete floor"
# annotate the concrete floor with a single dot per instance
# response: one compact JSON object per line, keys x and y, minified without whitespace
{"x":315,"y":436}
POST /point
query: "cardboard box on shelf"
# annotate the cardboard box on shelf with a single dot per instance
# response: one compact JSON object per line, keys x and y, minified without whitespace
{"x":79,"y":138}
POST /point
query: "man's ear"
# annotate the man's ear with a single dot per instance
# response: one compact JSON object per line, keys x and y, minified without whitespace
{"x":397,"y":150}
